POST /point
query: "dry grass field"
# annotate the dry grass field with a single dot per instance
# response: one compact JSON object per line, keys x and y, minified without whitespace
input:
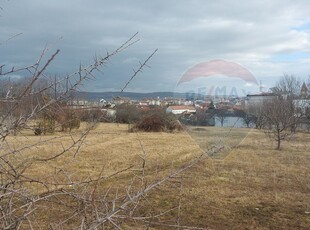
{"x":248,"y":185}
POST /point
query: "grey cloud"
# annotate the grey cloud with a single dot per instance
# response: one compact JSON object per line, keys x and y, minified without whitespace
{"x":185,"y":32}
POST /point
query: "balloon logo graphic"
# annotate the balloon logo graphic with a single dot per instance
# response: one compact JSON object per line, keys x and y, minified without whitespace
{"x":218,"y":67}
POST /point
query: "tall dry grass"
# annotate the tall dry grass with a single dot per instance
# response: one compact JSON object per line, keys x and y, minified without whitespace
{"x":249,"y":185}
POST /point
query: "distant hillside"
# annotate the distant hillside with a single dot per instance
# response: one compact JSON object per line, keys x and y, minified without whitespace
{"x":96,"y":96}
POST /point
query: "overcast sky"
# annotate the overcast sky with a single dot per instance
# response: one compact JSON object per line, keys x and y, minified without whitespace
{"x":268,"y":38}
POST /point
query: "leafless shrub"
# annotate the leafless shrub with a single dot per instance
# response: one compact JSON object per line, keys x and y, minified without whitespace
{"x":157,"y":120}
{"x":151,"y":123}
{"x":68,"y":118}
{"x":175,"y":125}
{"x":96,"y":115}
{"x":127,"y":113}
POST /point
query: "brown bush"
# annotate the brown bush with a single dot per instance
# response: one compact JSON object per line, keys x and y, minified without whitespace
{"x":152,"y":123}
{"x":175,"y":125}
{"x":157,"y":121}
{"x":45,"y":124}
{"x":128,"y":114}
{"x":68,"y":119}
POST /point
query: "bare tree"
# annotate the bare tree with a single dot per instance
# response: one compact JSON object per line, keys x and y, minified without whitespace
{"x":256,"y":110}
{"x":247,"y":117}
{"x":281,"y":119}
{"x":221,"y":116}
{"x":288,"y":85}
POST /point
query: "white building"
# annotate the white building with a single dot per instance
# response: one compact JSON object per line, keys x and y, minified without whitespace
{"x":258,"y":99}
{"x":179,"y":109}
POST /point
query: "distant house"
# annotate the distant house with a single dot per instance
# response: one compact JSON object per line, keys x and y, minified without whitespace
{"x":256,"y":99}
{"x":303,"y":102}
{"x":155,"y":102}
{"x":121,"y":100}
{"x":179,"y":109}
{"x":304,"y":91}
{"x":143,"y":103}
{"x":109,"y":113}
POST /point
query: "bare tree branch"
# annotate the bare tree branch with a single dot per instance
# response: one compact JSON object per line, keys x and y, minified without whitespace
{"x":139,"y":70}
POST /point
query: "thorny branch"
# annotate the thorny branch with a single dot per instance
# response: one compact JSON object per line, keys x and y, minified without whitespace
{"x":84,"y":201}
{"x":7,"y":40}
{"x":139,"y":194}
{"x":139,"y":70}
{"x":14,"y":183}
